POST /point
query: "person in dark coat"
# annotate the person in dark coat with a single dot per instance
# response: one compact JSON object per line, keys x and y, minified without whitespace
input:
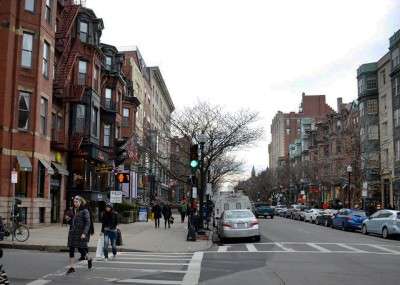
{"x":157,"y":214}
{"x":109,"y":223}
{"x":79,"y":232}
{"x":167,"y":214}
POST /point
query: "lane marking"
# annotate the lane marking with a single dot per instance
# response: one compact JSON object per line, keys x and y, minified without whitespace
{"x":39,"y":282}
{"x":136,"y":269}
{"x":156,"y":253}
{"x":251,"y":247}
{"x":317,"y":247}
{"x":149,"y":258}
{"x":223,"y":248}
{"x":283,"y":247}
{"x":384,"y":248}
{"x":143,"y":263}
{"x":193,"y":275}
{"x":351,"y":248}
{"x":149,"y":281}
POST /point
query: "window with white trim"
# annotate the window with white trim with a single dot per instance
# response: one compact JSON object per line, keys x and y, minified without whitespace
{"x":43,"y":115}
{"x":46,"y":59}
{"x":30,"y":5}
{"x":83,"y":31}
{"x":47,"y":13}
{"x":82,"y":72}
{"x":107,"y":135}
{"x":23,"y":110}
{"x":27,"y":48}
{"x":125,"y":117}
{"x":372,"y":106}
{"x":373,"y":133}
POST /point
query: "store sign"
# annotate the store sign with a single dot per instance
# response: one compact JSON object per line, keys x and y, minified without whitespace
{"x":116,"y":196}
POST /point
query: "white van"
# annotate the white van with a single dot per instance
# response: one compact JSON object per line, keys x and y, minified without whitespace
{"x":229,"y":200}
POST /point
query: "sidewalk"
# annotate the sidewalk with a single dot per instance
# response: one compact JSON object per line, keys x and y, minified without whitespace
{"x":139,"y":236}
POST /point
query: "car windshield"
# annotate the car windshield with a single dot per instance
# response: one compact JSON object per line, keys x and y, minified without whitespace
{"x":358,"y":213}
{"x":238,"y":215}
{"x":263,"y":207}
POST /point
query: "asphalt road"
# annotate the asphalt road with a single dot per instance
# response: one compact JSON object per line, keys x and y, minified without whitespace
{"x":294,"y":252}
{"x":290,"y":252}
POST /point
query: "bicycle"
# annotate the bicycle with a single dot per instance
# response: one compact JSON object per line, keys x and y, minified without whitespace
{"x":19,"y":231}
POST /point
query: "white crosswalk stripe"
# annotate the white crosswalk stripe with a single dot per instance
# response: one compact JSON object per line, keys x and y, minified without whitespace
{"x":309,"y":247}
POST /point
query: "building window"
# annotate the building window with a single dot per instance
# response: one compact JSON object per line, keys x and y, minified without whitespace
{"x":21,"y":188}
{"x":396,"y":86}
{"x":395,"y":58}
{"x":108,"y":62}
{"x":96,"y":74}
{"x":125,"y":118}
{"x":384,"y":129}
{"x":23,"y":110}
{"x":95,"y":113}
{"x":383,"y":73}
{"x":288,"y":131}
{"x":41,"y":180}
{"x":27,"y":47}
{"x":47,"y":14}
{"x":371,"y":83}
{"x":373,"y":133}
{"x":83,"y":31}
{"x":82,"y":72}
{"x":397,"y":149}
{"x":385,"y":158}
{"x":287,"y":122}
{"x":396,"y":118}
{"x":80,"y":119}
{"x":42,"y":215}
{"x":361,"y":106}
{"x":30,"y":5}
{"x":117,"y":132}
{"x":43,"y":115}
{"x":372,"y":106}
{"x":46,"y":60}
{"x":361,"y":85}
{"x":107,"y":135}
{"x":108,"y":101}
{"x":384,"y":103}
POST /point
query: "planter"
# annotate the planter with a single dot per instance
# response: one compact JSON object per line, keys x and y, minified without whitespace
{"x":128,"y":217}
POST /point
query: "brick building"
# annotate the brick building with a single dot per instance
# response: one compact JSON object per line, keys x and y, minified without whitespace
{"x":286,"y":127}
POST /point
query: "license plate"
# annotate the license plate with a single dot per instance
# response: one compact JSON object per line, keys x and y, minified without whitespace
{"x":241,"y":225}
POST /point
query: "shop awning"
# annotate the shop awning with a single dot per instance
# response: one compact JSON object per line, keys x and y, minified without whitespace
{"x":47,"y":165}
{"x":60,"y":169}
{"x":24,"y":163}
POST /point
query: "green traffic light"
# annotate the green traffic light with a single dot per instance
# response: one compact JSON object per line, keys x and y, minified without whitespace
{"x":194,"y":163}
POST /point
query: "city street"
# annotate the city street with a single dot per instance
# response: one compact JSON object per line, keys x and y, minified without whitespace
{"x":290,"y":252}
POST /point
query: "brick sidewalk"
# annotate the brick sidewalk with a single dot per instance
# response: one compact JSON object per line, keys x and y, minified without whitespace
{"x":139,"y":236}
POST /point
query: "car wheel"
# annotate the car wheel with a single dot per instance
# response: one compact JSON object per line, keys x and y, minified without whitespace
{"x":317,"y":222}
{"x":257,"y":238}
{"x":364,"y":230}
{"x":272,"y":217}
{"x":385,"y":233}
{"x":344,"y":227}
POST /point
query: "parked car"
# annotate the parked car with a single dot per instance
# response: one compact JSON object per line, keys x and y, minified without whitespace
{"x":347,"y":219}
{"x":238,"y":224}
{"x":383,"y":222}
{"x":299,"y":214}
{"x":263,"y":210}
{"x":311,"y":215}
{"x":324,"y":218}
{"x":291,"y":211}
{"x":281,"y":212}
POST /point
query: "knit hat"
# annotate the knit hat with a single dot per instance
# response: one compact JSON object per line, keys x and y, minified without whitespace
{"x":109,"y":205}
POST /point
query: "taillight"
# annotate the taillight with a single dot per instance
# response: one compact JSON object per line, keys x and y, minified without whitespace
{"x":253,"y":223}
{"x":227,"y":226}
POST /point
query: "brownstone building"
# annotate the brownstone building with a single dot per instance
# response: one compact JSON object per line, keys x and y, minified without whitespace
{"x":27,"y":43}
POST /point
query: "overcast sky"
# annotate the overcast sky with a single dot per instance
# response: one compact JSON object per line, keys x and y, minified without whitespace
{"x":258,"y":54}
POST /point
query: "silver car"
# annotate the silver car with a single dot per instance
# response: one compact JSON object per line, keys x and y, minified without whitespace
{"x":238,"y":224}
{"x":383,"y":222}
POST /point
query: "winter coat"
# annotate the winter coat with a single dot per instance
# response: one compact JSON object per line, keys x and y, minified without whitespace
{"x":166,"y":211}
{"x":109,"y":221}
{"x":79,"y":224}
{"x":157,"y":211}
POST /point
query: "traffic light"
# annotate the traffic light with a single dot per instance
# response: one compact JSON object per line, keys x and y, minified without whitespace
{"x":194,"y":156}
{"x":120,"y":151}
{"x":122,"y":177}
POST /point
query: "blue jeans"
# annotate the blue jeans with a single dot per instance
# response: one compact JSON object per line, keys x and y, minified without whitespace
{"x":110,"y":236}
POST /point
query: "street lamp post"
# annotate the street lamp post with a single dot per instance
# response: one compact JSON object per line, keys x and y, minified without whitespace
{"x":202,"y":138}
{"x":349,"y":171}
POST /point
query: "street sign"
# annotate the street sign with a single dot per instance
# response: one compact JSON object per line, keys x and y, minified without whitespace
{"x":302,"y":192}
{"x":116,"y":196}
{"x":364,"y":193}
{"x":194,"y":191}
{"x":14,"y":177}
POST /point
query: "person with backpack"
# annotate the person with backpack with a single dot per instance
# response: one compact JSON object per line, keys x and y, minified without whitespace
{"x":81,"y":226}
{"x":167,"y":214}
{"x":157,"y":211}
{"x":109,"y":223}
{"x":183,"y":210}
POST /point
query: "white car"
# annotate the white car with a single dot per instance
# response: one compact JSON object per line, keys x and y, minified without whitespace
{"x":311,"y":215}
{"x":383,"y":222}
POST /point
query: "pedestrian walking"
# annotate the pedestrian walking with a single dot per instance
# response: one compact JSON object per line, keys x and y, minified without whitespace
{"x":79,"y":232}
{"x":183,"y":210}
{"x":157,"y":214}
{"x":109,"y":223}
{"x":167,"y":214}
